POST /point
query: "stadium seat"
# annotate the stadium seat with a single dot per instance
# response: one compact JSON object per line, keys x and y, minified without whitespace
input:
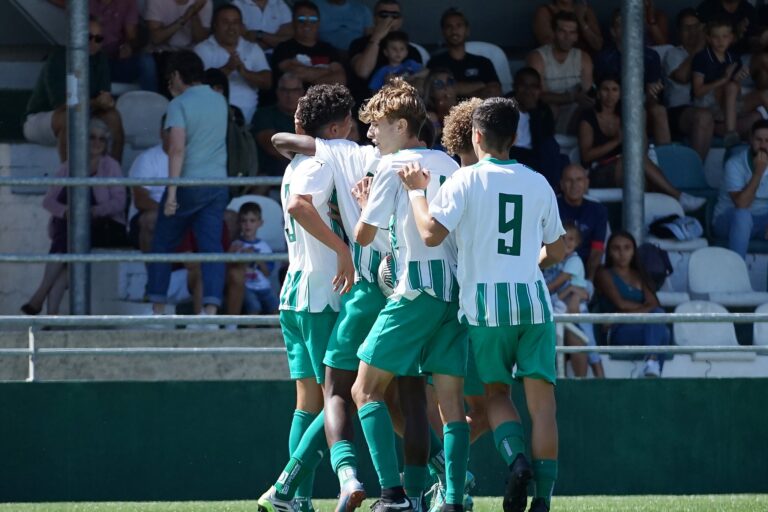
{"x":423,"y":52}
{"x":682,"y":166}
{"x":708,"y":333}
{"x":271,"y":214}
{"x":658,"y":206}
{"x":605,"y":195}
{"x":720,"y":275}
{"x":141,"y":112}
{"x":760,"y":329}
{"x":499,"y":59}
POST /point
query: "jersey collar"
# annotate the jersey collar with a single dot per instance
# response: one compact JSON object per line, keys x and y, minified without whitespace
{"x":499,"y":162}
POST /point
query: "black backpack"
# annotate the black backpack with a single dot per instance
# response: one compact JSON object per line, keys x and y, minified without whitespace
{"x":655,"y":264}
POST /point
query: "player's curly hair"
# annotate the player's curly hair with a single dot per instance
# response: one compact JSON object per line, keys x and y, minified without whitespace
{"x":396,"y":100}
{"x":323,"y":104}
{"x":496,"y":119}
{"x":457,"y":127}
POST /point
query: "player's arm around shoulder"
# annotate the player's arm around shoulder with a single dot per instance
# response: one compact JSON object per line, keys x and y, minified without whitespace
{"x":416,"y":179}
{"x":292,"y":144}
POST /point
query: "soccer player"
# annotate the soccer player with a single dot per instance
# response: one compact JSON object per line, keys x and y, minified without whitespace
{"x":417,"y":332}
{"x":320,"y":269}
{"x":503,"y":296}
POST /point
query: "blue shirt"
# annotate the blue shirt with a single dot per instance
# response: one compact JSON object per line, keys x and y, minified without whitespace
{"x":342,"y":24}
{"x":407,"y":67}
{"x":738,"y":172}
{"x":203,"y":114}
{"x":592,"y":220}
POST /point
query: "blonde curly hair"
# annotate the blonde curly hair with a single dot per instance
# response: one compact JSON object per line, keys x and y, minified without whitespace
{"x":457,"y":127}
{"x":396,"y":100}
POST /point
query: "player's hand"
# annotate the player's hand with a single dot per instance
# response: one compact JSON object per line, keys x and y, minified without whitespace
{"x":333,"y":212}
{"x":414,"y":176}
{"x":345,"y":273}
{"x":361,"y":190}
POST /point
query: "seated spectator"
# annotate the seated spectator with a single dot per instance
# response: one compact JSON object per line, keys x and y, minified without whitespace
{"x":46,"y":117}
{"x":590,"y":38}
{"x":395,"y":49}
{"x":535,"y":144}
{"x":608,"y":62}
{"x":570,"y":293}
{"x":107,"y":219}
{"x":475,"y":75}
{"x":741,"y":212}
{"x":249,"y":290}
{"x":696,"y":123}
{"x":600,"y":141}
{"x":566,"y":73}
{"x":305,"y":56}
{"x":622,"y":287}
{"x":715,"y":83}
{"x":145,"y":200}
{"x":267,"y":22}
{"x":439,"y":97}
{"x":589,"y":216}
{"x":343,"y":22}
{"x":457,"y":132}
{"x":656,"y":24}
{"x":242,"y":62}
{"x":740,"y":14}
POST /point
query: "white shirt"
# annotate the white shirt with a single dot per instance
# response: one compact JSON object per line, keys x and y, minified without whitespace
{"x":417,"y":267}
{"x":275,"y":13}
{"x":677,"y":94}
{"x":501,"y":212}
{"x":311,"y":264}
{"x":152,"y":163}
{"x":523,"y":136}
{"x":241,"y":94}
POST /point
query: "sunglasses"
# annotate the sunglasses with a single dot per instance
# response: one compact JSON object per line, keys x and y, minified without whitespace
{"x":98,"y":38}
{"x":388,"y":14}
{"x":442,"y":84}
{"x":307,"y":19}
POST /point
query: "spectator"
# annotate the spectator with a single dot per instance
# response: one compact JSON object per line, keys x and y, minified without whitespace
{"x":475,"y":75}
{"x":590,"y":38}
{"x":145,"y":200}
{"x":566,"y":72}
{"x":608,"y":62}
{"x":249,"y":289}
{"x":107,"y":219}
{"x":684,"y":119}
{"x":600,"y":140}
{"x":716,"y":77}
{"x":395,"y":48}
{"x":622,"y":287}
{"x":656,"y":24}
{"x":177,"y":24}
{"x":305,"y":56}
{"x":589,"y":216}
{"x":267,"y":22}
{"x":46,"y":117}
{"x":741,"y":212}
{"x":535,"y":144}
{"x":740,"y":14}
{"x":343,"y":22}
{"x":439,"y":97}
{"x":242,"y":62}
{"x":197,"y":125}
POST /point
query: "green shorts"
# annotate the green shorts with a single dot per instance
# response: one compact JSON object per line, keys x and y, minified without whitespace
{"x":360,"y":307}
{"x":415,"y":337}
{"x":306,"y":338}
{"x":473,"y":386}
{"x":530,"y":347}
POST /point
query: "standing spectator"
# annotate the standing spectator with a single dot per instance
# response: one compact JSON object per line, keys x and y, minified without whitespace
{"x":475,"y":75}
{"x":740,"y":14}
{"x":684,"y":119}
{"x":46,"y":118}
{"x":591,"y":40}
{"x":242,"y":62}
{"x":305,"y":56}
{"x":107,"y":219}
{"x":566,"y":72}
{"x":197,"y":125}
{"x":267,"y":22}
{"x":343,"y":22}
{"x":741,"y":212}
{"x":395,"y":48}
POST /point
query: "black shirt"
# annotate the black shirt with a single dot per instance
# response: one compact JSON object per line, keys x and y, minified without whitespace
{"x":472,"y":68}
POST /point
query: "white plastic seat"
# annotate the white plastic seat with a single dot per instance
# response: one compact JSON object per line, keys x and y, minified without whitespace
{"x":423,"y":52}
{"x":662,"y":205}
{"x":720,"y":275}
{"x":272,"y":215}
{"x":497,"y":57}
{"x":141,"y":112}
{"x":670,"y":299}
{"x":708,"y":333}
{"x":760,"y":329}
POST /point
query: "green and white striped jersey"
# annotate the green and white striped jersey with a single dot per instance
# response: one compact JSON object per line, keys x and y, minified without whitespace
{"x":311,"y":264}
{"x":501,"y":212}
{"x":417,"y":267}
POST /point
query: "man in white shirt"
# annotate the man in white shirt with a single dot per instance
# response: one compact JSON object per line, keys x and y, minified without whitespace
{"x":267,"y":22}
{"x":243,"y":62}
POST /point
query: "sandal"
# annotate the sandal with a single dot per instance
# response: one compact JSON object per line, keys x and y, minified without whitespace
{"x":29,"y":309}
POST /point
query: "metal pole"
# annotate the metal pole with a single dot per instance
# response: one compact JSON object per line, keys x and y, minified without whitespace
{"x":79,"y":198}
{"x":632,"y":115}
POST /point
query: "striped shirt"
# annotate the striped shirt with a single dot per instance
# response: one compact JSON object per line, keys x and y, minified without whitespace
{"x":501,"y":213}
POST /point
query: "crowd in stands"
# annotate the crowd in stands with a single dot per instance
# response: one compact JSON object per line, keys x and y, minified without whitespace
{"x":710,"y":89}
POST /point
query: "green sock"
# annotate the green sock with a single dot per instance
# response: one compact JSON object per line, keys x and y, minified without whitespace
{"x":508,"y":438}
{"x":415,"y":480}
{"x":456,"y":439}
{"x":436,"y":462}
{"x":344,"y":461}
{"x":300,"y":423}
{"x":298,"y":477}
{"x":377,"y":427}
{"x":544,"y":476}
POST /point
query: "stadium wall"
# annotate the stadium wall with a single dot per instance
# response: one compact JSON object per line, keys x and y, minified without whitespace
{"x":228,"y":440}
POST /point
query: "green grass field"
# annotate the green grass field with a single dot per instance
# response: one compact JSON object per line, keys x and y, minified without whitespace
{"x":711,"y":503}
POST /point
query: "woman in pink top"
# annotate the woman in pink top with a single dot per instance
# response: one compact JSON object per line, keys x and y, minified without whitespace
{"x":107,"y":219}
